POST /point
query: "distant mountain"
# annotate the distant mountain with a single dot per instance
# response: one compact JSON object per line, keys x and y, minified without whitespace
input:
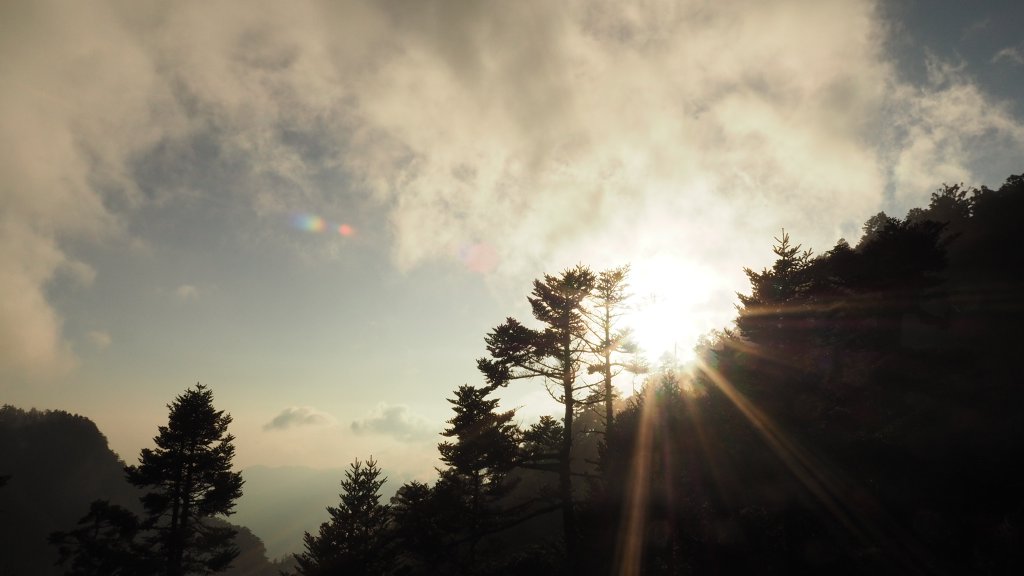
{"x":281,"y":503}
{"x":56,"y":464}
{"x":252,"y":560}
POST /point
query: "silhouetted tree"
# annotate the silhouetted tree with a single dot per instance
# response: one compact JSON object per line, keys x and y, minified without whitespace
{"x":609,"y":342}
{"x":355,"y":540}
{"x":555,"y":355}
{"x":484,"y":451}
{"x":423,"y":528}
{"x":773,"y":311}
{"x":541,"y":443}
{"x":190,"y":481}
{"x":104,"y":544}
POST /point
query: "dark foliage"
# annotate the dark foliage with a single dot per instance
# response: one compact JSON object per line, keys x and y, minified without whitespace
{"x":860,"y":419}
{"x":355,"y":540}
{"x":59,"y":463}
{"x":190,"y":481}
{"x":104,"y":544}
{"x":479,"y":460}
{"x":555,"y":353}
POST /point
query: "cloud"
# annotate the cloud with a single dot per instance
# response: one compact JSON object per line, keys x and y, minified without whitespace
{"x":947,"y":128}
{"x":549,"y":133}
{"x":1011,"y":54}
{"x":297,"y":416}
{"x":99,"y":340}
{"x":71,"y":115}
{"x":30,"y":330}
{"x":395,"y":421}
{"x":567,"y":142}
{"x":188,"y":292}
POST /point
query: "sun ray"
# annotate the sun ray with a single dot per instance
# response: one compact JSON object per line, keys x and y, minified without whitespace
{"x":865,"y":519}
{"x":629,"y":550}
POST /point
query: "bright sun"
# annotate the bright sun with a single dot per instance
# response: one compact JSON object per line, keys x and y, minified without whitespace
{"x":667,"y":293}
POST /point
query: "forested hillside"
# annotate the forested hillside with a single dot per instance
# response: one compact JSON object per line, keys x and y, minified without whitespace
{"x":859,"y":417}
{"x":57,"y":464}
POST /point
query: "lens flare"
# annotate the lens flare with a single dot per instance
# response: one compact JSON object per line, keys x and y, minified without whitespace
{"x":316,"y":224}
{"x":308,"y":222}
{"x":480,"y":257}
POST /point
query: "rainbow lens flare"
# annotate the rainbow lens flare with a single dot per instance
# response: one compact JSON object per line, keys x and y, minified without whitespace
{"x":315,"y":224}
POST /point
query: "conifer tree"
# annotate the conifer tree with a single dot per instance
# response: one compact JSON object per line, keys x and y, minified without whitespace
{"x":103,"y":544}
{"x":485,"y":440}
{"x":554,"y":354}
{"x":355,"y":540}
{"x":484,"y":451}
{"x":608,"y":341}
{"x":774,"y":305}
{"x":190,"y":481}
{"x":422,"y":529}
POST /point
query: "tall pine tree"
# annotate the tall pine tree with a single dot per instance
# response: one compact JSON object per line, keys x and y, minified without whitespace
{"x":555,"y":354}
{"x":484,"y":452}
{"x":610,"y":343}
{"x":190,"y":481}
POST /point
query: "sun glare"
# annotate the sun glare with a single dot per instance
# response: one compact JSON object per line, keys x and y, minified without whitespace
{"x":666,"y":294}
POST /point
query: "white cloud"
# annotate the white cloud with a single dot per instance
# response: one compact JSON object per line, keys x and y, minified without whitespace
{"x":77,"y":102}
{"x":1011,"y":54}
{"x":298,"y":416}
{"x":395,"y":421}
{"x":565,"y":143}
{"x":30,"y":330}
{"x":944,"y":129}
{"x":548,"y":132}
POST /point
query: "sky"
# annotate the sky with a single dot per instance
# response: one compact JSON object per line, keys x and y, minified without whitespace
{"x":319,"y":209}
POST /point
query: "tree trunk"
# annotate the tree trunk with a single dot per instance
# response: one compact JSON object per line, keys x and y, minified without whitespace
{"x":565,"y":484}
{"x":173,"y":551}
{"x":565,"y":459}
{"x":608,"y":407}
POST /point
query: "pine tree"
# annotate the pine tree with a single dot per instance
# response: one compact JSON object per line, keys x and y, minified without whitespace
{"x":485,"y":440}
{"x":775,"y":304}
{"x":104,"y":544}
{"x":422,"y":529}
{"x":554,"y":354}
{"x":190,"y":481}
{"x":484,"y":451}
{"x":608,"y":342}
{"x":355,"y":540}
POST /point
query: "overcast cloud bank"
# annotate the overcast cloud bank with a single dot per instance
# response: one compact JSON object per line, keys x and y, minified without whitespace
{"x":544,"y":133}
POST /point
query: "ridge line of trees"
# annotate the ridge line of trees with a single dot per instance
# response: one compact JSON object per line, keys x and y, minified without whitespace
{"x":859,"y":417}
